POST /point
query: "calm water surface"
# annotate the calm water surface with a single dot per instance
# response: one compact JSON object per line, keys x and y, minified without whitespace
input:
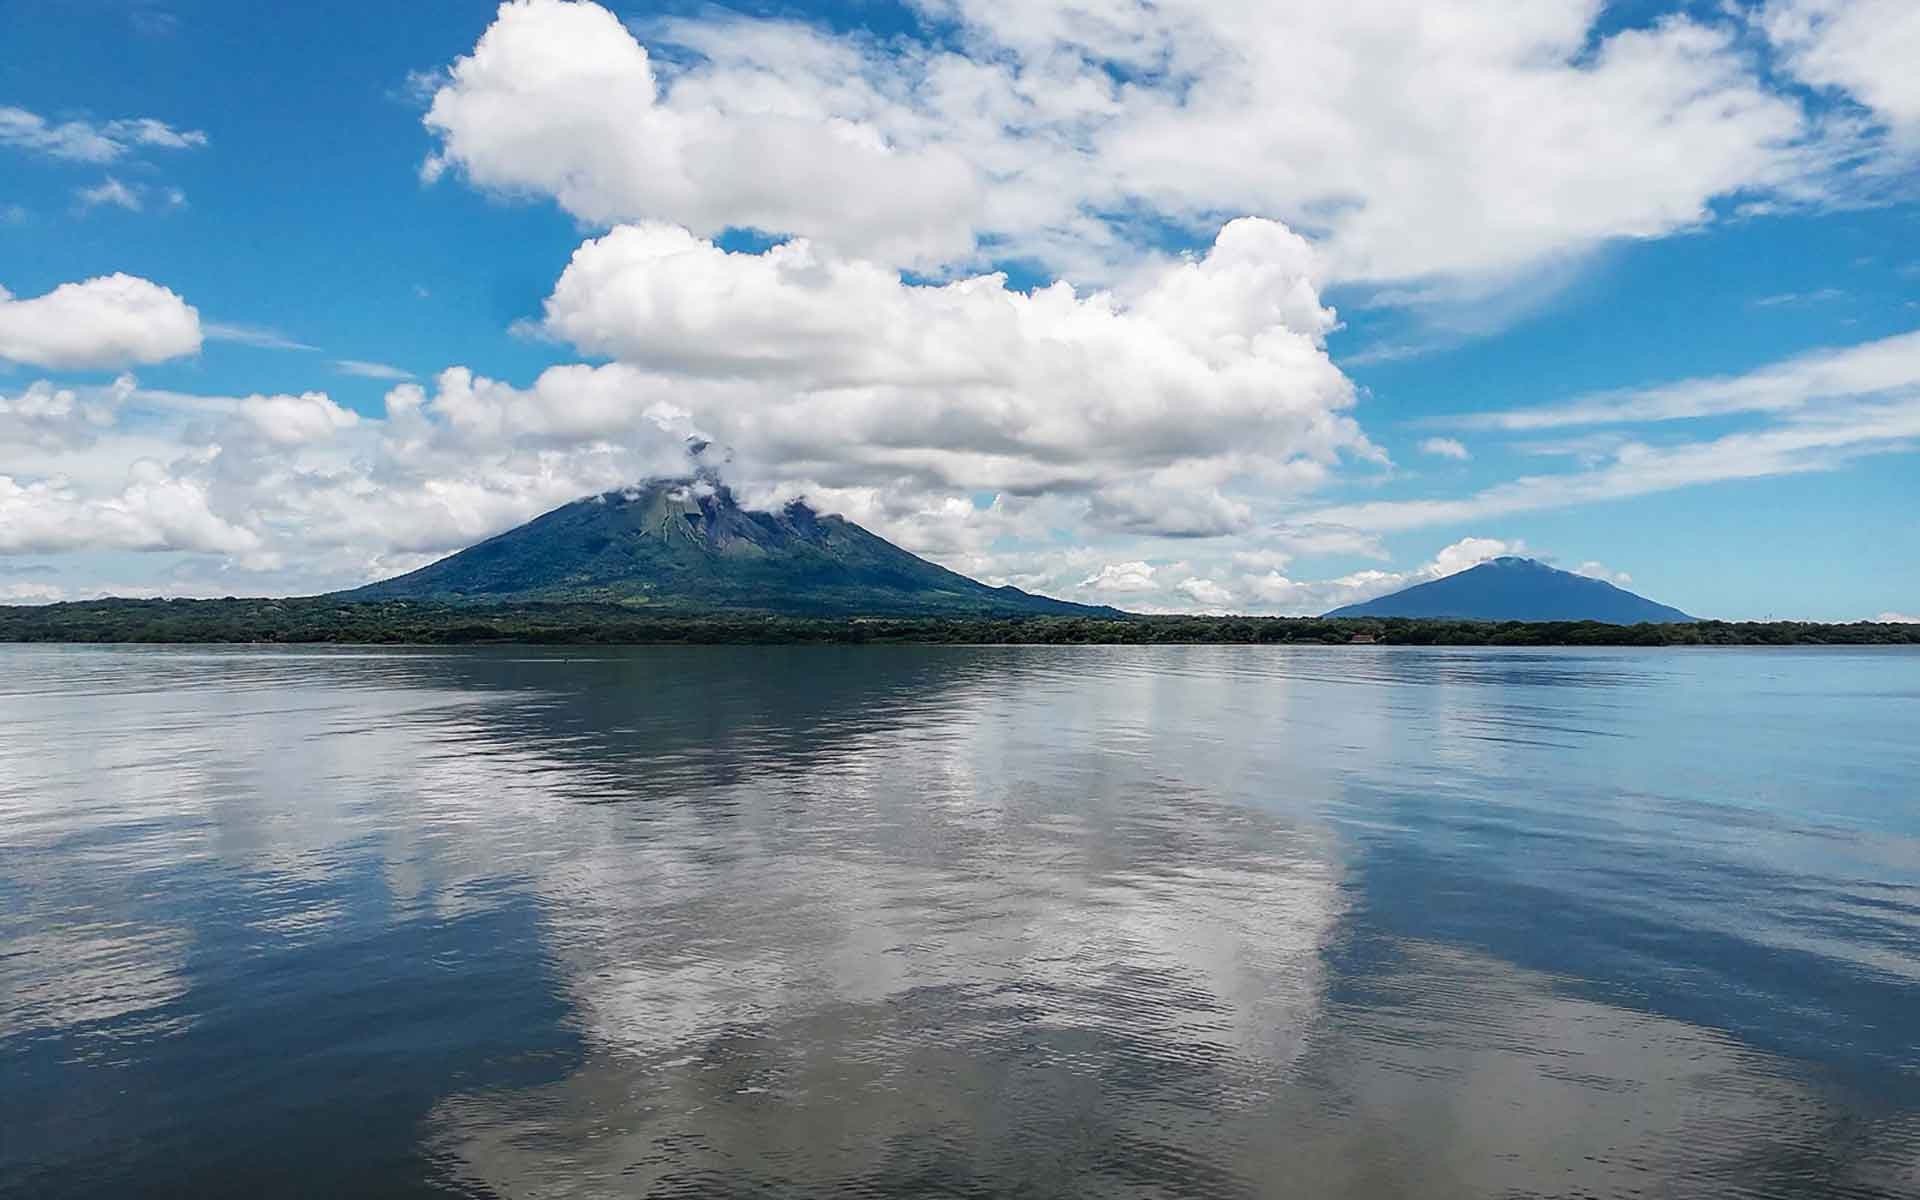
{"x":1218,"y":922}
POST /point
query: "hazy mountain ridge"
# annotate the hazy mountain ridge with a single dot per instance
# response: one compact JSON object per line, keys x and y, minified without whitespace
{"x":687,"y":545}
{"x":1518,"y":589}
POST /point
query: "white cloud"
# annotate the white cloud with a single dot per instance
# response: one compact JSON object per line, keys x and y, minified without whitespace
{"x":1595,"y":570}
{"x":473,"y":457}
{"x":566,"y":405}
{"x":1264,"y":559}
{"x":370,"y":370}
{"x":1822,"y":410}
{"x":325,"y":498}
{"x":109,"y":321}
{"x":1206,"y":593}
{"x":47,"y":417}
{"x":1817,"y":296}
{"x":84,"y":141}
{"x":559,"y":98}
{"x":1122,"y":577}
{"x":109,"y":192}
{"x":296,"y":420}
{"x":31,"y":593}
{"x":1470,"y":552}
{"x":298,"y":485}
{"x":155,"y":510}
{"x":112,"y":192}
{"x":252,"y":335}
{"x":803,"y":363}
{"x":1816,"y":441}
{"x":1245,"y":581}
{"x":1894,"y":618}
{"x":145,"y":131}
{"x":1801,"y":446}
{"x":1445,"y":447}
{"x":1415,"y":146}
{"x":1865,"y":48}
{"x":1889,"y":366}
{"x":951,"y":529}
{"x":1182,"y":500}
{"x":1435,"y":143}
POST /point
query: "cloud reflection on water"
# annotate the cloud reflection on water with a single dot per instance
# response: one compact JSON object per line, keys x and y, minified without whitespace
{"x":1086,"y":921}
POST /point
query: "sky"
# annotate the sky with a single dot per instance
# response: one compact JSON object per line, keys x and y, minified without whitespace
{"x":1189,"y":305}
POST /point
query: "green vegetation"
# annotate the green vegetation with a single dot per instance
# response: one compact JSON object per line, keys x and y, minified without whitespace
{"x":394,"y":622}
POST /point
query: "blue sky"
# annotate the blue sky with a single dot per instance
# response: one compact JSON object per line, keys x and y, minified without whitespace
{"x":1356,"y":299}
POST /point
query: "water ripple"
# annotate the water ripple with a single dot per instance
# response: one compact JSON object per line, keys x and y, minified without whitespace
{"x":972,"y":921}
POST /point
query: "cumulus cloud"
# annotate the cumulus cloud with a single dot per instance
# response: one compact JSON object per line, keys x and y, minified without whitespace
{"x":46,"y":417}
{"x":1122,"y":577}
{"x":1470,"y":552}
{"x":1206,"y":593}
{"x":155,"y":510}
{"x":300,"y":485}
{"x":87,"y":142}
{"x":806,"y":363}
{"x":1255,"y":582}
{"x":1183,"y":500}
{"x":566,"y":405}
{"x":1416,"y":147}
{"x":1430,"y":143}
{"x":1445,"y":447}
{"x":295,"y":420}
{"x":447,"y":467}
{"x":558,"y":98}
{"x":110,"y":321}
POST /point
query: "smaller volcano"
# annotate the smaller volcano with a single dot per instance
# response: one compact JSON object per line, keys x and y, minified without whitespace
{"x":1518,"y":589}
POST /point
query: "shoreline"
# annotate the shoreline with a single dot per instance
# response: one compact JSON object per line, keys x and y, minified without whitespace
{"x":321,"y":621}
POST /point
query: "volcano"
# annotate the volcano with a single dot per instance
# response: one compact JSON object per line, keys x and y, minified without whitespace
{"x":1518,"y":589}
{"x":687,"y":546}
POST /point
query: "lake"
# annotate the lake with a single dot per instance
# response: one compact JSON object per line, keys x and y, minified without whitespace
{"x":1217,"y":921}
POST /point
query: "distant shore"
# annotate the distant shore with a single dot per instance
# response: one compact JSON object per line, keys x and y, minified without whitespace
{"x":320,"y":620}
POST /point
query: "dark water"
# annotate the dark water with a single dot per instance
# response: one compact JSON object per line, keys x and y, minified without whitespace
{"x":1212,"y":922}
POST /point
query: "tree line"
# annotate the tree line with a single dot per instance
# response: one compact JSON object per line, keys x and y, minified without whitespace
{"x":323,"y":620}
